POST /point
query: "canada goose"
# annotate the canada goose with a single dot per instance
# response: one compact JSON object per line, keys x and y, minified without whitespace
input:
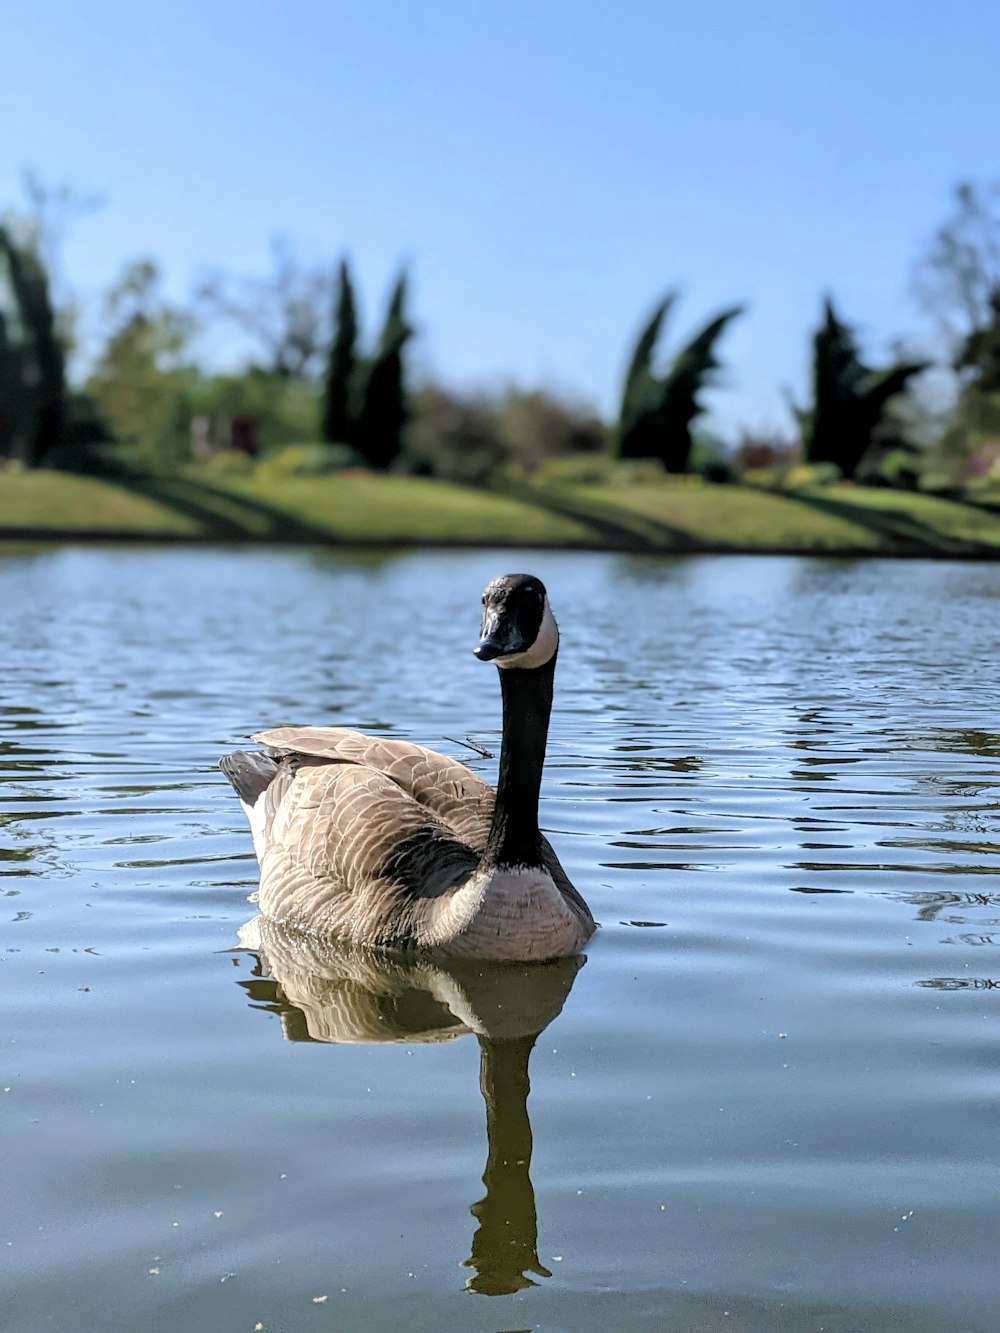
{"x":388,"y":844}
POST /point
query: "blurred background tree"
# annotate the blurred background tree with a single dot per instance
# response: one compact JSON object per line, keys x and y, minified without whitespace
{"x":143,"y":378}
{"x":455,"y":436}
{"x":339,"y":385}
{"x":284,"y":316}
{"x":657,"y":410}
{"x":383,"y":408}
{"x":958,"y":283}
{"x":484,"y":439}
{"x":958,"y":277}
{"x":850,"y":413}
{"x":33,"y":416}
{"x":537,"y":426}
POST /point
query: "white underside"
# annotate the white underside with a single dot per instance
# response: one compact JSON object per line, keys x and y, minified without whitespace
{"x":509,"y":912}
{"x":255,"y":814}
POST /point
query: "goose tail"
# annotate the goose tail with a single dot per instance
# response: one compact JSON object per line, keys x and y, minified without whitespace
{"x":251,"y":773}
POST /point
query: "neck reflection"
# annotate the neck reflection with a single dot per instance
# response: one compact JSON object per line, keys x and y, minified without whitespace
{"x":505,"y":1247}
{"x":330,"y":992}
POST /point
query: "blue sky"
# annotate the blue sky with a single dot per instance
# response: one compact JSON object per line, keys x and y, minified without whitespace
{"x":547,"y":168}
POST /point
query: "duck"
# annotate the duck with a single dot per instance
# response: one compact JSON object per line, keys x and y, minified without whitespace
{"x":387,"y":844}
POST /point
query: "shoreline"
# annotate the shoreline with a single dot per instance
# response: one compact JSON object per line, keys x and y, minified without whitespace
{"x":15,"y":537}
{"x":388,"y":512}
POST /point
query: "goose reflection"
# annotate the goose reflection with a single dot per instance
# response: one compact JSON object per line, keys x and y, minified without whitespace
{"x":334,"y":992}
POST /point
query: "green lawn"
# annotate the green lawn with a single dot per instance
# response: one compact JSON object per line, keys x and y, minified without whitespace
{"x":361,"y":507}
{"x":930,"y":516}
{"x":828,"y":518}
{"x":729,"y":516}
{"x":356,"y":507}
{"x":344,"y":508}
{"x":59,"y":501}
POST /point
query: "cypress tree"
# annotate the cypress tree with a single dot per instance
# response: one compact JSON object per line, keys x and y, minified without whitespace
{"x":40,"y":354}
{"x":338,"y":425}
{"x":678,"y":403}
{"x":383,"y":409}
{"x":635,"y":437}
{"x":11,"y":394}
{"x":657,"y":411}
{"x":850,"y":399}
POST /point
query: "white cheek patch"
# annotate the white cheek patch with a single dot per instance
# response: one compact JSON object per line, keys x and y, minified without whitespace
{"x":542,"y":650}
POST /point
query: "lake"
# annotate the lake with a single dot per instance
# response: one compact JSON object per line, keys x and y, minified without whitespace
{"x":766,"y":1100}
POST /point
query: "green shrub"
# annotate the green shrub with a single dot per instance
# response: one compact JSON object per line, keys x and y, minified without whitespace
{"x":308,"y":460}
{"x":577,"y":470}
{"x":228,"y":463}
{"x":811,"y":474}
{"x":639,"y":472}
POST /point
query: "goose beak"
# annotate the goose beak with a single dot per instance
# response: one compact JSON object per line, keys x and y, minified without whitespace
{"x":499,"y":636}
{"x":487,"y":648}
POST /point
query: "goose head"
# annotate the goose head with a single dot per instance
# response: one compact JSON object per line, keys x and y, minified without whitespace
{"x":519,"y":629}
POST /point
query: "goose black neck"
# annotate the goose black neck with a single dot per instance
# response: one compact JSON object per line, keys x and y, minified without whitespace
{"x":515,"y":839}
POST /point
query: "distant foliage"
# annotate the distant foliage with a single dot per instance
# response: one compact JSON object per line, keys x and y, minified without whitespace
{"x":33,"y":393}
{"x":657,"y":409}
{"x":338,"y":422}
{"x":283,"y":411}
{"x":756,"y":451}
{"x":161,"y":408}
{"x":537,"y":426}
{"x":958,"y":283}
{"x":958,"y":278}
{"x":850,"y":411}
{"x":284,"y":315}
{"x":365,"y":401}
{"x":456,"y":436}
{"x":148,"y":400}
{"x":482,"y":439}
{"x":978,"y":356}
{"x":383,"y":409}
{"x":307,"y":460}
{"x":142,"y":380}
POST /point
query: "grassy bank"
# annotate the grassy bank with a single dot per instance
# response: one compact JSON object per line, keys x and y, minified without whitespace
{"x":340,"y":508}
{"x":355,"y":508}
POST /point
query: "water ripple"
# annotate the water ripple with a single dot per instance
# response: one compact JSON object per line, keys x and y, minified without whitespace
{"x":775,"y":781}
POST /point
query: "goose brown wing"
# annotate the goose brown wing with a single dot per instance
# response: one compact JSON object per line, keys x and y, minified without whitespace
{"x":351,"y":854}
{"x":444,"y":786}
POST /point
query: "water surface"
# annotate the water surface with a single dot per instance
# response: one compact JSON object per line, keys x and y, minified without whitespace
{"x":766,"y":1100}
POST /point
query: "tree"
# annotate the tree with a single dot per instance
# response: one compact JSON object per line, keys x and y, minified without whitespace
{"x":978,"y":357}
{"x":537,"y":426}
{"x":850,"y":400}
{"x":141,"y":381}
{"x":958,"y":282}
{"x":32,"y":361}
{"x":455,"y":436}
{"x":341,"y":368}
{"x":657,"y":410}
{"x":12,"y":393}
{"x":383,"y":410}
{"x":958,"y":279}
{"x":284,"y":314}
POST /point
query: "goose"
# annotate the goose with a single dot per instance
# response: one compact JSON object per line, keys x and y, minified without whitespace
{"x":387,"y":844}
